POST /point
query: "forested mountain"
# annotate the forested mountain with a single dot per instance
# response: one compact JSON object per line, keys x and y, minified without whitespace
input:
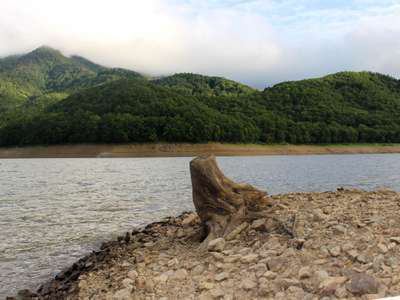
{"x":195,"y":84}
{"x":87,"y":103}
{"x":44,"y":76}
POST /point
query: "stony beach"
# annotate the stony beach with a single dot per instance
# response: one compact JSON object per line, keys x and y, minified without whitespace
{"x":331,"y":245}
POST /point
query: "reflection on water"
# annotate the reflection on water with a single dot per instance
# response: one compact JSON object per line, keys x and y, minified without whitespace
{"x":52,"y":211}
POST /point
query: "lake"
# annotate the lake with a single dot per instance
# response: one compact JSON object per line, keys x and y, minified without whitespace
{"x":53,"y":211}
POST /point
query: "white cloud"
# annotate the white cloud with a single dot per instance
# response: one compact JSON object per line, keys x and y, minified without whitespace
{"x":256,"y":42}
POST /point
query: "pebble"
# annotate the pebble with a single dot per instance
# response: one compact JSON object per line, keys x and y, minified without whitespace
{"x":216,"y":245}
{"x":234,"y":233}
{"x":362,"y":258}
{"x":173,"y":262}
{"x":232,"y":258}
{"x":321,"y":275}
{"x":329,"y":285}
{"x":163,"y":278}
{"x":180,"y":274}
{"x":127,"y":282}
{"x":124,"y":294}
{"x":276,"y":264}
{"x":249,"y":258}
{"x":133,"y":275}
{"x":382,"y":248}
{"x":395,"y":239}
{"x":259,"y":225}
{"x":270,"y":275}
{"x":217,"y":293}
{"x":304,"y":272}
{"x":206,"y":285}
{"x":221,"y":276}
{"x":198,"y":270}
{"x":335,"y":251}
{"x":248,"y":284}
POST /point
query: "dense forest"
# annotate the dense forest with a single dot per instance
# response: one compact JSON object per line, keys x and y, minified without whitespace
{"x":47,"y":98}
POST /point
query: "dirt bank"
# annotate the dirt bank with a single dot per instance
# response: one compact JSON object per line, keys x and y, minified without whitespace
{"x":333,"y":245}
{"x":172,"y":150}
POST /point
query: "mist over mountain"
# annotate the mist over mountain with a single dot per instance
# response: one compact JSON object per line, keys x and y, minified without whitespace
{"x":48,"y":98}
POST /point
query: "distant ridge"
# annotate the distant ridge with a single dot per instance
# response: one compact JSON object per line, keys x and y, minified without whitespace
{"x":48,"y":98}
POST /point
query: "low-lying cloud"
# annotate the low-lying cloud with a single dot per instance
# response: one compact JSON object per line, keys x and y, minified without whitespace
{"x":256,"y":42}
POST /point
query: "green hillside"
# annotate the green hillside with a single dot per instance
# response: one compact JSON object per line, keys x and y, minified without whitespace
{"x":45,"y":73}
{"x":195,"y":84}
{"x":340,"y":108}
{"x":47,"y":98}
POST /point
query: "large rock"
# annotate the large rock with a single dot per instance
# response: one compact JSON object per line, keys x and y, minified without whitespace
{"x":361,"y":283}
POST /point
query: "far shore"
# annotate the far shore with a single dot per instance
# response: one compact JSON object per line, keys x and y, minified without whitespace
{"x":189,"y":150}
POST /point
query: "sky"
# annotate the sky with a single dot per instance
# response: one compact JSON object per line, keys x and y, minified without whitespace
{"x":257,"y":42}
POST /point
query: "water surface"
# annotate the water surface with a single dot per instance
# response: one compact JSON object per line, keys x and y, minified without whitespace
{"x":53,"y":211}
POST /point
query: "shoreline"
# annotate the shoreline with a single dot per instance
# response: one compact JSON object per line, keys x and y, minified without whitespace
{"x":340,"y":243}
{"x":189,"y":150}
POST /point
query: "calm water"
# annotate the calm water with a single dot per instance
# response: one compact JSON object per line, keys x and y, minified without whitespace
{"x":52,"y":211}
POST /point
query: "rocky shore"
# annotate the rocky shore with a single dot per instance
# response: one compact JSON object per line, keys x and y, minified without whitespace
{"x":332,"y":245}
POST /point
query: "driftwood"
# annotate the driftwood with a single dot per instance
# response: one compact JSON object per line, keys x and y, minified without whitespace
{"x":222,"y":204}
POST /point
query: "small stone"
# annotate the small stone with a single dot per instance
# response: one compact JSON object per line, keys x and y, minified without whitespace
{"x":305,"y":272}
{"x":362,"y":259}
{"x":347,"y":247}
{"x":328,"y":286}
{"x":205,"y":296}
{"x":234,"y":233}
{"x":270,"y":275}
{"x":124,"y":294}
{"x":173,"y":262}
{"x":149,"y":285}
{"x":341,"y":292}
{"x":221,"y":276}
{"x":335,"y":251}
{"x":296,"y":291}
{"x":276,"y":264}
{"x":321,"y":275}
{"x":198,"y":270}
{"x":361,"y":283}
{"x":284,"y":283}
{"x":352,"y":254}
{"x":217,"y":293}
{"x":392,"y":262}
{"x":382,"y":248}
{"x":217,"y":255}
{"x":244,"y":251}
{"x":259,"y":225}
{"x":127,"y":282}
{"x":133,"y":275}
{"x":163,"y":278}
{"x":126,"y":264}
{"x":232,"y":258}
{"x":260,"y":268}
{"x":339,"y":229}
{"x":148,"y":244}
{"x":189,"y":220}
{"x":216,"y":245}
{"x":205,"y":285}
{"x":180,"y":274}
{"x":249,"y":258}
{"x":248,"y":284}
{"x":395,"y":239}
{"x":140,"y":282}
{"x":377,"y":263}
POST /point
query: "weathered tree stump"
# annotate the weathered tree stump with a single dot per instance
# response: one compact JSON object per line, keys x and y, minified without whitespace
{"x":222,"y":204}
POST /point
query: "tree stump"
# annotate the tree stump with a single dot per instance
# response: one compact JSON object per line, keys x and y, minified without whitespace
{"x":222,"y":204}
